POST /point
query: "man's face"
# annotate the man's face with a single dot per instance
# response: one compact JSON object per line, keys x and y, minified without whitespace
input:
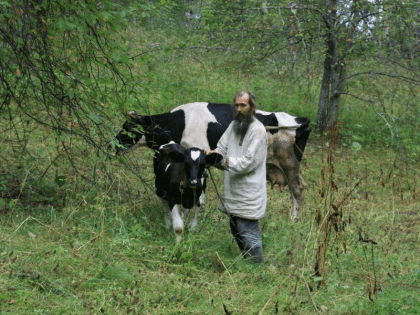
{"x":242,"y":115}
{"x":242,"y":106}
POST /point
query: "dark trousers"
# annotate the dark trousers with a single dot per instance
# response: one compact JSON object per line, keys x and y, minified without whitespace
{"x":248,"y":237}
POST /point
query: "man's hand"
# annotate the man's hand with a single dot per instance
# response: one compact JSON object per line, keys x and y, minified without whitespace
{"x":212,"y":158}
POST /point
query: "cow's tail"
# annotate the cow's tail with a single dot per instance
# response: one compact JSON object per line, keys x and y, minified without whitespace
{"x":302,"y":135}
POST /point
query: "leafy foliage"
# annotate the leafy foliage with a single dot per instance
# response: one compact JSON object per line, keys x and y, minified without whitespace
{"x":61,"y":65}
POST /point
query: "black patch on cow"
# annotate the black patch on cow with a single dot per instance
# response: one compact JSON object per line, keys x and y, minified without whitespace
{"x":214,"y":133}
{"x":302,"y":135}
{"x":268,"y":120}
{"x":222,"y":112}
{"x":224,"y":116}
{"x":158,"y":129}
{"x":161,"y":129}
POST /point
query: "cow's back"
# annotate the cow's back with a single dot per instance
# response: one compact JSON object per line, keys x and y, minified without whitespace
{"x":205,"y":123}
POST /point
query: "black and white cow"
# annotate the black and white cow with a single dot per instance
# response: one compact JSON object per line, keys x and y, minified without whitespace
{"x":202,"y":124}
{"x":178,"y":183}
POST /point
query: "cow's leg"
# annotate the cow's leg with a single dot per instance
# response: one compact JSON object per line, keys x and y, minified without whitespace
{"x":194,"y":220}
{"x":296,"y":186}
{"x":202,"y":198}
{"x":177,"y":222}
{"x":166,"y":214}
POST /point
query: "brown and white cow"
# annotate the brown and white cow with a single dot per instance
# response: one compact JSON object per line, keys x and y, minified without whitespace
{"x":202,"y":124}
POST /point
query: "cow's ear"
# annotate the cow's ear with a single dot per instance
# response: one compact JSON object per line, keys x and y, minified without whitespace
{"x":176,"y":156}
{"x":213,"y":158}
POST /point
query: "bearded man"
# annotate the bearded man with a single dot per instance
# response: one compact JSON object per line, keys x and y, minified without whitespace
{"x":244,"y":150}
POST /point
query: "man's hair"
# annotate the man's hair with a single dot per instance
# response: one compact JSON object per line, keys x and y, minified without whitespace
{"x":252,"y":99}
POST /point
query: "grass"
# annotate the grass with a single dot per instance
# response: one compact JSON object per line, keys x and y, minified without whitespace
{"x":82,"y":233}
{"x":110,"y":253}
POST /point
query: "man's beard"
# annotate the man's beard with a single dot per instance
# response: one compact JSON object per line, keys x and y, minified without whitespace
{"x":241,"y":123}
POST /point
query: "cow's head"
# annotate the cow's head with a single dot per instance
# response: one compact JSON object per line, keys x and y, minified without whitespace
{"x":132,"y":133}
{"x":195,"y":161}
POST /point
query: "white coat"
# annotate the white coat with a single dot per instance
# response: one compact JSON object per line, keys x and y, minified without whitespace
{"x":244,"y":181}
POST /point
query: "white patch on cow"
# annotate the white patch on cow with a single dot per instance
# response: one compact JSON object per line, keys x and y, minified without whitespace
{"x":177,"y":223}
{"x":195,"y":154}
{"x":166,"y":169}
{"x":197,"y":117}
{"x":284,"y":119}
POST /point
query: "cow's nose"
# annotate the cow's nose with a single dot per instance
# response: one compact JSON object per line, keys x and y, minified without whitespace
{"x":193,"y":183}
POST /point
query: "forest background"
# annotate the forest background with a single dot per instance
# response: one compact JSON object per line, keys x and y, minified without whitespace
{"x":81,"y":230}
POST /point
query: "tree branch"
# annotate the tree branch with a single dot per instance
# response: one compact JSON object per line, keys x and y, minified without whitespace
{"x":402,"y":77}
{"x":376,"y":112}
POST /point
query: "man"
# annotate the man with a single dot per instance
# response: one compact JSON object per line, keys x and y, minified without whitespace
{"x":244,"y":148}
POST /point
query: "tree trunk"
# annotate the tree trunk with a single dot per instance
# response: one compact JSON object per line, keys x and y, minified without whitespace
{"x":334,"y":71}
{"x":321,"y":123}
{"x":337,"y":82}
{"x":329,"y":62}
{"x":335,"y":97}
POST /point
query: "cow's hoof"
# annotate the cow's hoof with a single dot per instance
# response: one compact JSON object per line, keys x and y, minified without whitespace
{"x":178,"y":233}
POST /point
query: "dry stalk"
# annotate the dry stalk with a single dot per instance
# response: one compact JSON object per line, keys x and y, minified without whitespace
{"x":331,"y":214}
{"x":373,"y":285}
{"x":310,"y":295}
